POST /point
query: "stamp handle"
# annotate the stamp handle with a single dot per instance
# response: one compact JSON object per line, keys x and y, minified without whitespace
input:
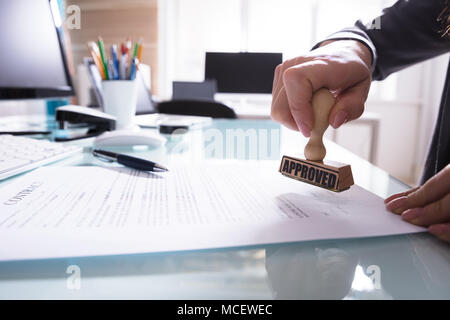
{"x":322,"y":102}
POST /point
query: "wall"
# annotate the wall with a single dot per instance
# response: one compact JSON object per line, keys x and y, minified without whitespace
{"x":114,"y":21}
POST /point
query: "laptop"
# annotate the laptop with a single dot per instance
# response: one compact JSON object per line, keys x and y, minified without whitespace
{"x":204,"y":90}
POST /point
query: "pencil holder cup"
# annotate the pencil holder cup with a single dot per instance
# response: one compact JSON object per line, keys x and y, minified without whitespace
{"x":119,"y":100}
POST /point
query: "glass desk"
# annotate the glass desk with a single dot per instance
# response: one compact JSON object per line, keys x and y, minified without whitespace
{"x":397,"y":267}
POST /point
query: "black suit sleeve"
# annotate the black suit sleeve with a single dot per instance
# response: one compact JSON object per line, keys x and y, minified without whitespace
{"x":404,"y":34}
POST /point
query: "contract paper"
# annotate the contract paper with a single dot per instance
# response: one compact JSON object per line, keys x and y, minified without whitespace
{"x":88,"y":211}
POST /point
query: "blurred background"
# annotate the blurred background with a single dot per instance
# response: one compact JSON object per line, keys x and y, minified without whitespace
{"x":400,"y":113}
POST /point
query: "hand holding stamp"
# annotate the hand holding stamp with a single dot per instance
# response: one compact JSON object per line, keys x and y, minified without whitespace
{"x":330,"y":175}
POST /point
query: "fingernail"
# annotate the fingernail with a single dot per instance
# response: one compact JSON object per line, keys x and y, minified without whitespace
{"x":396,"y":205}
{"x":412,"y":214}
{"x":339,"y":119}
{"x":304,"y":129}
{"x":438,"y":229}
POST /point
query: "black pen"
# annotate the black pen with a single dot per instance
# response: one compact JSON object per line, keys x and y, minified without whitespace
{"x":128,"y":161}
{"x":25,"y":133}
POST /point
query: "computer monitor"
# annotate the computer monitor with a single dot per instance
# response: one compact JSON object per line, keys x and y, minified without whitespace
{"x":244,"y":72}
{"x":32,"y":58}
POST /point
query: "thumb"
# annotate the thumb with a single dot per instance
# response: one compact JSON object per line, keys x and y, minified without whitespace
{"x":350,"y":104}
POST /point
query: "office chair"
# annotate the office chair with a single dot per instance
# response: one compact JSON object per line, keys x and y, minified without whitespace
{"x":203,"y":108}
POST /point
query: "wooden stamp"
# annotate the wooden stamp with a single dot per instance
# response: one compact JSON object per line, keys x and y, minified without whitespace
{"x":330,"y":175}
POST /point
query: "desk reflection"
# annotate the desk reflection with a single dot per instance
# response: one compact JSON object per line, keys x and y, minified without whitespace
{"x":375,"y":268}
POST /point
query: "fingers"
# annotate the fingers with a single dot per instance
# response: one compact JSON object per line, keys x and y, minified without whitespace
{"x":427,"y":206}
{"x":434,"y":189}
{"x":349,"y":79}
{"x":300,"y":81}
{"x":275,"y":80}
{"x":280,"y":111}
{"x":279,"y":70}
{"x":433,"y":213}
{"x":398,"y":195}
{"x":442,"y":231}
{"x":350,"y":104}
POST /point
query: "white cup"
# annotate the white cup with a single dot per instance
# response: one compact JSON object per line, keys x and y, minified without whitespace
{"x":119,"y":100}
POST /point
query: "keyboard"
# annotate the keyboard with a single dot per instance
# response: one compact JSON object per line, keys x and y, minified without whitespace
{"x":20,"y":154}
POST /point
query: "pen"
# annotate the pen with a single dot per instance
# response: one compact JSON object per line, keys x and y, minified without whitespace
{"x":115,"y":61}
{"x":95,"y":53}
{"x":128,"y":46}
{"x":133,"y":67}
{"x":139,"y":53}
{"x":128,"y":161}
{"x":24,"y":133}
{"x":136,"y":49}
{"x":123,"y":67}
{"x":103,"y":56}
{"x":113,"y":74}
{"x":123,"y":49}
